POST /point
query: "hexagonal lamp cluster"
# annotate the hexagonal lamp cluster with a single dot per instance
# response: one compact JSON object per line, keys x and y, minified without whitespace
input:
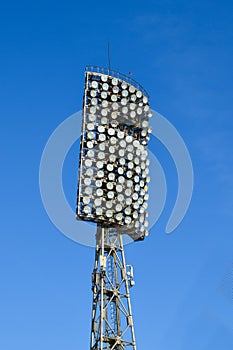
{"x":114,"y":164}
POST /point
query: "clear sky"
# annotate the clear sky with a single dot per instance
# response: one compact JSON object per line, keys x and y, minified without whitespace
{"x":181,"y":52}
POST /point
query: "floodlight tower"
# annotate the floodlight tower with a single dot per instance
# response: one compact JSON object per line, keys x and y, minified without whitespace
{"x":113,"y":193}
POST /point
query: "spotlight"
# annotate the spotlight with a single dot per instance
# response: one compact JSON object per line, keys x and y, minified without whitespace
{"x":114,"y":163}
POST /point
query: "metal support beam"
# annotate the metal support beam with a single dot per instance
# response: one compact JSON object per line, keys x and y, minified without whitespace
{"x":112,"y":321}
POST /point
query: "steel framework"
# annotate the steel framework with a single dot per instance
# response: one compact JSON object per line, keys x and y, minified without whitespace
{"x":112,"y":321}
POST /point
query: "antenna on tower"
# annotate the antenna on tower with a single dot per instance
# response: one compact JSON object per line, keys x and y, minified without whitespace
{"x":109,"y":58}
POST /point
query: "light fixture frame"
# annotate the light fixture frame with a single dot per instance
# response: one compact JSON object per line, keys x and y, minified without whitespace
{"x":103,"y":81}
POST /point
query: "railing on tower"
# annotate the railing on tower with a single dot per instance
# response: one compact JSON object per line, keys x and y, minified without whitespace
{"x":118,"y":75}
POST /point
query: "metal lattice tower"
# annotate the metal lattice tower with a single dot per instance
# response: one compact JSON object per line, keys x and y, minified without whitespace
{"x":112,"y":321}
{"x":113,"y":193}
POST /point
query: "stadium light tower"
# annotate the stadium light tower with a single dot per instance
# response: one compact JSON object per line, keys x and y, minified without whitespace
{"x":113,"y":193}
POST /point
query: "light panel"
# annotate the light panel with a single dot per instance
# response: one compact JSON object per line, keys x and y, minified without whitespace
{"x":113,"y":171}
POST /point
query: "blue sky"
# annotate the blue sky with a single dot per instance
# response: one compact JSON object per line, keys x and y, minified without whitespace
{"x":181,"y":52}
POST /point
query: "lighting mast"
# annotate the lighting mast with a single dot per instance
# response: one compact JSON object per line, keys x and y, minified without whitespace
{"x":113,"y":193}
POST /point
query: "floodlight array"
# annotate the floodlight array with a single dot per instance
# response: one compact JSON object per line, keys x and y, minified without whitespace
{"x":114,"y":164}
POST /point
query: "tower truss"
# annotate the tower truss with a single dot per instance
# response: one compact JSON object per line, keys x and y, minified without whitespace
{"x":112,"y":321}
